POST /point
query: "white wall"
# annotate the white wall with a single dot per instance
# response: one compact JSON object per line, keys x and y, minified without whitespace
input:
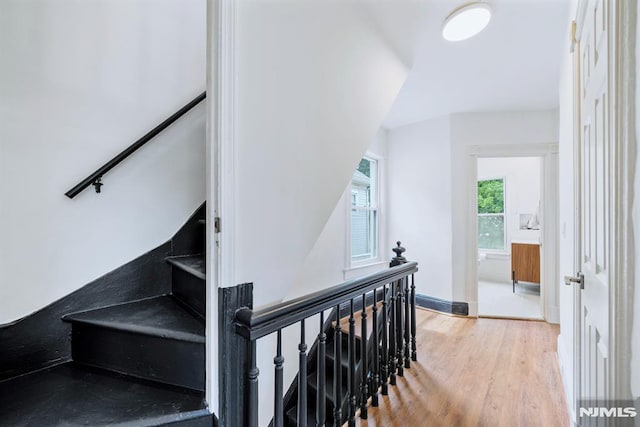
{"x":419,"y":182}
{"x":315,"y":80}
{"x":80,"y":81}
{"x":428,"y":163}
{"x":486,"y":129}
{"x":522,"y":195}
{"x":328,"y":262}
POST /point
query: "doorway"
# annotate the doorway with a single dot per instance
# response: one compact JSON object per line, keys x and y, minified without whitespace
{"x":509,"y":229}
{"x":548,"y":155}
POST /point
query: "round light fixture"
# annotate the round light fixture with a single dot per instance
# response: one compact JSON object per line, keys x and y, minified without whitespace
{"x":466,"y":21}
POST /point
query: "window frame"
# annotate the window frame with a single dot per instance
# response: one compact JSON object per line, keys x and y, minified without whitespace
{"x":505,"y":249}
{"x":355,"y":263}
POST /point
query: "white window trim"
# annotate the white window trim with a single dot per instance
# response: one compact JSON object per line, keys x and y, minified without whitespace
{"x":350,"y":264}
{"x":506,"y":250}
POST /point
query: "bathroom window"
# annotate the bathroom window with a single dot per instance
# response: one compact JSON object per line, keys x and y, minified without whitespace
{"x":491,"y":219}
{"x":364,"y":217}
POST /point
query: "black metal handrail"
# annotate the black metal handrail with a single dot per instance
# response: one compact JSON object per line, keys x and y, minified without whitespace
{"x":95,"y":178}
{"x":254,"y":324}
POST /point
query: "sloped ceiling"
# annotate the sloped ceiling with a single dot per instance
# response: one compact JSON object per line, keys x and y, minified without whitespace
{"x":514,"y":64}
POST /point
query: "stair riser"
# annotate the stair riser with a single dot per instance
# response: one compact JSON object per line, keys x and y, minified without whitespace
{"x":191,"y":237}
{"x":179,"y":363}
{"x":344,"y":365}
{"x":190,"y":290}
{"x":345,"y":345}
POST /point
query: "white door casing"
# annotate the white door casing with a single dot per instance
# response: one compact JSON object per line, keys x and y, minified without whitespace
{"x":548,"y":153}
{"x":220,"y":155}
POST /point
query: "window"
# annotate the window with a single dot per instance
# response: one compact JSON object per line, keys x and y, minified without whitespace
{"x":491,"y":229}
{"x":364,"y":211}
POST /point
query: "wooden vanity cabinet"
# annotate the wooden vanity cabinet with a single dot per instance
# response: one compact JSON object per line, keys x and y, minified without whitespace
{"x":525,"y":263}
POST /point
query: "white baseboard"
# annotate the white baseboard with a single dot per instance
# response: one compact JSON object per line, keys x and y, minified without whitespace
{"x":553,"y":314}
{"x":566,"y":372}
{"x":473,"y":309}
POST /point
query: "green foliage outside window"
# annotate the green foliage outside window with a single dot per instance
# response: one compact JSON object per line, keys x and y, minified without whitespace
{"x":491,"y":196}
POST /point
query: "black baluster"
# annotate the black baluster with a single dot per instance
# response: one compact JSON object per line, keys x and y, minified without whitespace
{"x":302,"y":379}
{"x":384,"y":369}
{"x":352,"y":369}
{"x":407,"y":324}
{"x":414,"y":348}
{"x":278,"y":412}
{"x":364,"y":387}
{"x":375,"y":377}
{"x":337,"y":371}
{"x":400,"y":328}
{"x":254,"y":372}
{"x":392,"y":336}
{"x":321,"y":416}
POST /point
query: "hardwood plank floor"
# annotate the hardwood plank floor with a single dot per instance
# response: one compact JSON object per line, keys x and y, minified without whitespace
{"x":477,"y":372}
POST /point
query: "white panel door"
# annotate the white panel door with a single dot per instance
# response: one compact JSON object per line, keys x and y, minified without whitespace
{"x":595,"y":146}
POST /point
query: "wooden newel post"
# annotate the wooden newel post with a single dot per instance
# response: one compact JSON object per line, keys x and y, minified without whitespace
{"x":398,"y":259}
{"x":238,"y":385}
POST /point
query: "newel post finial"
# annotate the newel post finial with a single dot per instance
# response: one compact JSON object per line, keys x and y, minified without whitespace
{"x":398,"y":259}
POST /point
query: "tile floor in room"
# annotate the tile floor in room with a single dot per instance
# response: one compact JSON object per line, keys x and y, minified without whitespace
{"x":497,"y":299}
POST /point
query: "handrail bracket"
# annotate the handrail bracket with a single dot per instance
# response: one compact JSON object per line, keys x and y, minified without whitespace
{"x":97,"y":183}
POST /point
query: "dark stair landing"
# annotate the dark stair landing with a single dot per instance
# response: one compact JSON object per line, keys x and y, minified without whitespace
{"x":72,"y":394}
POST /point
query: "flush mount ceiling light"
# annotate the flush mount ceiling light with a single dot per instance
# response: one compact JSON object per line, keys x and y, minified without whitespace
{"x":466,"y":21}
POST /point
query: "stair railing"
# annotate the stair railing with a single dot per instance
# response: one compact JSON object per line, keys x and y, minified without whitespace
{"x":382,"y":358}
{"x":95,"y":178}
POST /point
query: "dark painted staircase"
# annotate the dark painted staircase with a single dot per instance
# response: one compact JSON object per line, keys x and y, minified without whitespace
{"x":133,"y":363}
{"x":312,"y":381}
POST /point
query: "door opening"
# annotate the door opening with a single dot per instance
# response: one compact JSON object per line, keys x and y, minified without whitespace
{"x":509,"y":237}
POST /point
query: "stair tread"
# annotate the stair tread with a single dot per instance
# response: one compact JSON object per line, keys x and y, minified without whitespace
{"x":193,"y":264}
{"x":158,"y":316}
{"x":292,"y":414}
{"x":72,"y":394}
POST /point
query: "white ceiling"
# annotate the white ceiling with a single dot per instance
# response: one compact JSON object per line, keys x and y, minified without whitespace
{"x":514,"y":64}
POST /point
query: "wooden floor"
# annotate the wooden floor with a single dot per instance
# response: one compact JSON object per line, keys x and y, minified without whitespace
{"x":477,"y":372}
